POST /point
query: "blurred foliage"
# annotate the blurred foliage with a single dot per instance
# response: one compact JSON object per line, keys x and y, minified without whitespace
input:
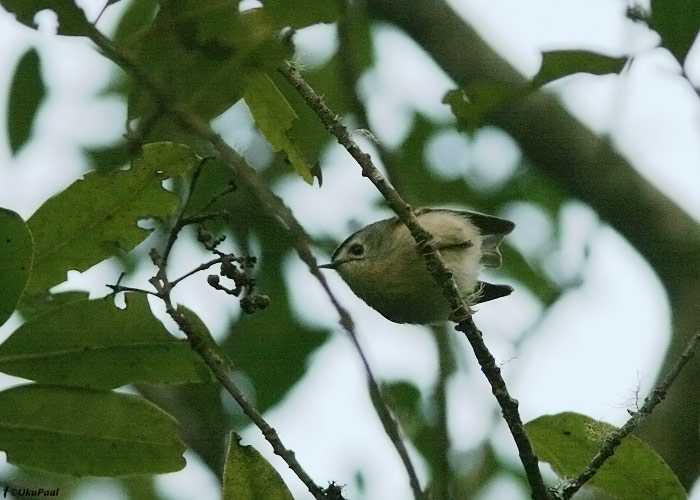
{"x":678,"y":23}
{"x":299,"y":16}
{"x":27,"y":93}
{"x":473,"y":103}
{"x":561,"y":63}
{"x":71,"y":18}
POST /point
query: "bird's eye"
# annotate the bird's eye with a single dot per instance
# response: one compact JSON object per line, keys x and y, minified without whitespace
{"x":356,"y":250}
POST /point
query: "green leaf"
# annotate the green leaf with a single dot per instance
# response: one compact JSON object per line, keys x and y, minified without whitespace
{"x":136,"y":18}
{"x":201,"y":51}
{"x":37,"y":304}
{"x":27,"y":93}
{"x":16,"y":254}
{"x":473,"y":103}
{"x":568,"y":441}
{"x":678,"y":23}
{"x":248,"y":476}
{"x":558,"y":64}
{"x":94,"y":344}
{"x":95,"y":216}
{"x":87,"y":432}
{"x":302,"y":13}
{"x":275,"y":117}
{"x":71,"y":18}
{"x":105,"y":159}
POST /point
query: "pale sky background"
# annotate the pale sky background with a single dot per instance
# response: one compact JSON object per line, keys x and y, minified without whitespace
{"x":572,"y":360}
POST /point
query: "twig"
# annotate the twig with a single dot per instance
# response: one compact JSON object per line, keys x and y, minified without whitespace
{"x":200,"y":267}
{"x":117,"y":287}
{"x":615,"y":439}
{"x":181,"y":221}
{"x":460,"y":311}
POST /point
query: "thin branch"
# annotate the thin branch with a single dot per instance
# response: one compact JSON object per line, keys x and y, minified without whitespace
{"x":200,"y":267}
{"x":181,"y":221}
{"x":615,"y":439}
{"x":461,"y":313}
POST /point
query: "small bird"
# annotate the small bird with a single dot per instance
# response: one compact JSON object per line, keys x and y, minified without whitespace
{"x":383,"y":267}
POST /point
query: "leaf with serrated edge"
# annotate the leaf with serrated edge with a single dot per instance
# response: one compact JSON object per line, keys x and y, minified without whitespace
{"x":568,"y":441}
{"x":85,"y":432}
{"x":80,"y":226}
{"x":92,"y":343}
{"x":16,"y":253}
{"x":248,"y":476}
{"x":274,"y":117}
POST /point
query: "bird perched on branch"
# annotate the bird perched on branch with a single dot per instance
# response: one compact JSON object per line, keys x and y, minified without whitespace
{"x":383,"y":267}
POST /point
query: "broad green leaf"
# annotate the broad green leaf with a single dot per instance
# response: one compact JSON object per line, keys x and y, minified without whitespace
{"x":558,"y":64}
{"x":27,"y":93}
{"x":275,"y":117}
{"x":85,"y":432}
{"x":98,"y":214}
{"x":678,"y":23}
{"x":71,"y":18}
{"x":568,"y":441}
{"x":248,"y":476}
{"x":16,"y":252}
{"x":473,"y":104}
{"x":92,"y":343}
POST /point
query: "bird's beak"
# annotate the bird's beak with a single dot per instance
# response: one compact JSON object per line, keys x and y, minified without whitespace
{"x":330,"y":265}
